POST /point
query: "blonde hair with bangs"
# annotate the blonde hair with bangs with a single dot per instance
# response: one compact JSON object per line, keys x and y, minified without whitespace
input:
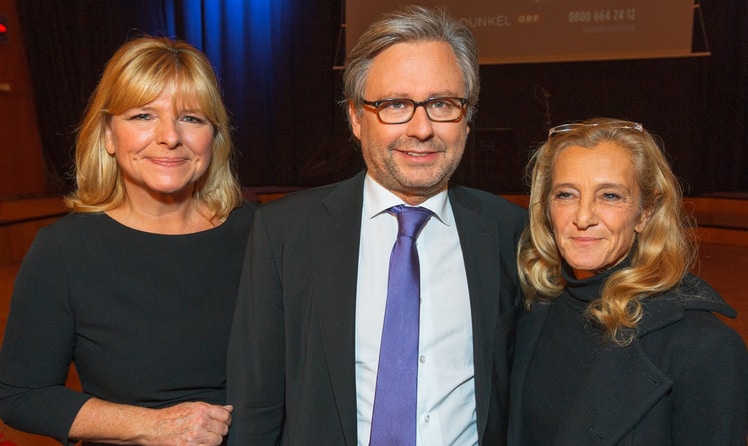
{"x":137,"y":74}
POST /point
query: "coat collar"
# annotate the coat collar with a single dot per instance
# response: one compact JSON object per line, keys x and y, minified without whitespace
{"x":692,"y":293}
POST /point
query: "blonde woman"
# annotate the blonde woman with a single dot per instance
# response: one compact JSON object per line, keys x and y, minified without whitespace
{"x":137,"y":285}
{"x":618,"y":344}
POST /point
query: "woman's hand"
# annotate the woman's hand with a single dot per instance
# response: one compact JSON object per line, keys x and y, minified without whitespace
{"x":185,"y":424}
{"x":189,"y":424}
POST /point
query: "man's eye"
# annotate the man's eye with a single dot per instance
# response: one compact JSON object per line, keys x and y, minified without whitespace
{"x":394,"y":105}
{"x":440,"y":104}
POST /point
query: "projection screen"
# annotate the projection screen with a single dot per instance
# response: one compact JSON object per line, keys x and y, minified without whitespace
{"x":520,"y":31}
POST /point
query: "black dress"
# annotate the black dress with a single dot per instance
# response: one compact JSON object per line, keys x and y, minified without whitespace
{"x":145,"y":318}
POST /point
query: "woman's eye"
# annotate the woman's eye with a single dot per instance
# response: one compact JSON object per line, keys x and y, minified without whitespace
{"x":193,"y":119}
{"x":611,"y":197}
{"x":563,"y":195}
{"x":140,"y":117}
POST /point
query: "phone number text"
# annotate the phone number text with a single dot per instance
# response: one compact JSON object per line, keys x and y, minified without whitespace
{"x":603,"y":15}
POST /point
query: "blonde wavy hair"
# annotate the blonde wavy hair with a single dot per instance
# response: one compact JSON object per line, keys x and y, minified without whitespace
{"x":661,"y":255}
{"x":136,"y":75}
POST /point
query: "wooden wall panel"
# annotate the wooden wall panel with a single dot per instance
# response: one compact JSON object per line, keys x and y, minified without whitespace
{"x":22,"y":172}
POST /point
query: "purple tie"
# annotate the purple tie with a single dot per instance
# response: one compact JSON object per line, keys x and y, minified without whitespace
{"x":394,"y":416}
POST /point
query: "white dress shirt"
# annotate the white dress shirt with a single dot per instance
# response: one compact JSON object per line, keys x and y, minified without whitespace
{"x":446,"y":387}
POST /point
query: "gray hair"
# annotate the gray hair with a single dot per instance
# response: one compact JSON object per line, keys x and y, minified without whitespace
{"x":412,"y":24}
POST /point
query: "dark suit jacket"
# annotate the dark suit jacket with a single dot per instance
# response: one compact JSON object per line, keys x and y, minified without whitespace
{"x":291,"y":371}
{"x":683,"y":381}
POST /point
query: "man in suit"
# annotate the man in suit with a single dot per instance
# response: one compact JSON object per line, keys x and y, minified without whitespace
{"x":304,"y":355}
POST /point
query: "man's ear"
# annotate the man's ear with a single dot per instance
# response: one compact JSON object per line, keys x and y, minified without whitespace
{"x":354,"y":117}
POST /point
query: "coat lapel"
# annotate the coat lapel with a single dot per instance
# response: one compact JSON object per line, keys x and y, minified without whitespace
{"x":622,"y":386}
{"x":335,"y":237}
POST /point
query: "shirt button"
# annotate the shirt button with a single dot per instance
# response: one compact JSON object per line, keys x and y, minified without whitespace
{"x":427,"y":418}
{"x":422,"y":359}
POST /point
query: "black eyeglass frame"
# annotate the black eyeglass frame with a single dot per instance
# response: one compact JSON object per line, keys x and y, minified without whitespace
{"x":416,"y":104}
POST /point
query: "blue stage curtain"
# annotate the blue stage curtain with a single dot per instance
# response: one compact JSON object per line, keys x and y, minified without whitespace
{"x":242,"y":39}
{"x":253,"y":45}
{"x":274,"y":59}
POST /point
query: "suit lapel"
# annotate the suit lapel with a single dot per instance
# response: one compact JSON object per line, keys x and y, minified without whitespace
{"x":335,"y":237}
{"x":478,"y":236}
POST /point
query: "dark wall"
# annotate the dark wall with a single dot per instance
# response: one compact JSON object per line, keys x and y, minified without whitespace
{"x":67,"y":45}
{"x":667,"y":96}
{"x":698,"y":105}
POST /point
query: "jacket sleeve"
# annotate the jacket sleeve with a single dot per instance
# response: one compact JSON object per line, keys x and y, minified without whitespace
{"x":711,"y":393}
{"x":255,"y":370}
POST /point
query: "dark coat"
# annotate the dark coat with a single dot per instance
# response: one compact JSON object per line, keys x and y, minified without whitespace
{"x":291,"y":372}
{"x":682,"y":381}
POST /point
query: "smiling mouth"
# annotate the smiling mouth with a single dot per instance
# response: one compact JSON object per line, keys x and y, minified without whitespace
{"x":425,"y":151}
{"x":168,"y":162}
{"x":585,"y":239}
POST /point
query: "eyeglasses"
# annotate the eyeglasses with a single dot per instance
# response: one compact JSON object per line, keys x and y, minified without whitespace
{"x":563,"y":128}
{"x":401,"y":110}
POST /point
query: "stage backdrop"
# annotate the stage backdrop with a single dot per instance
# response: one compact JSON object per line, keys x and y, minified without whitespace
{"x":555,"y":30}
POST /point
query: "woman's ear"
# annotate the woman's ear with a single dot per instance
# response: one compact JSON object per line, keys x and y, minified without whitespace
{"x":643,"y":220}
{"x":109,"y":140}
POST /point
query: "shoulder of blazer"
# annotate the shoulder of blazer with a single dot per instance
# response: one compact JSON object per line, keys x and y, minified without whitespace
{"x":344,"y":194}
{"x":489,"y":205}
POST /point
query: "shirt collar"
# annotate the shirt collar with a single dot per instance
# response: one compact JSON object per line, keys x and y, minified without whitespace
{"x":378,"y":199}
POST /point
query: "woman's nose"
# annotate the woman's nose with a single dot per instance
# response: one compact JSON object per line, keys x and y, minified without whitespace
{"x":585,"y":215}
{"x":168,"y":134}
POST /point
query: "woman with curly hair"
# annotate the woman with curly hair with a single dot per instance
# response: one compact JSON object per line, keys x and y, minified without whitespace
{"x":618,"y":343}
